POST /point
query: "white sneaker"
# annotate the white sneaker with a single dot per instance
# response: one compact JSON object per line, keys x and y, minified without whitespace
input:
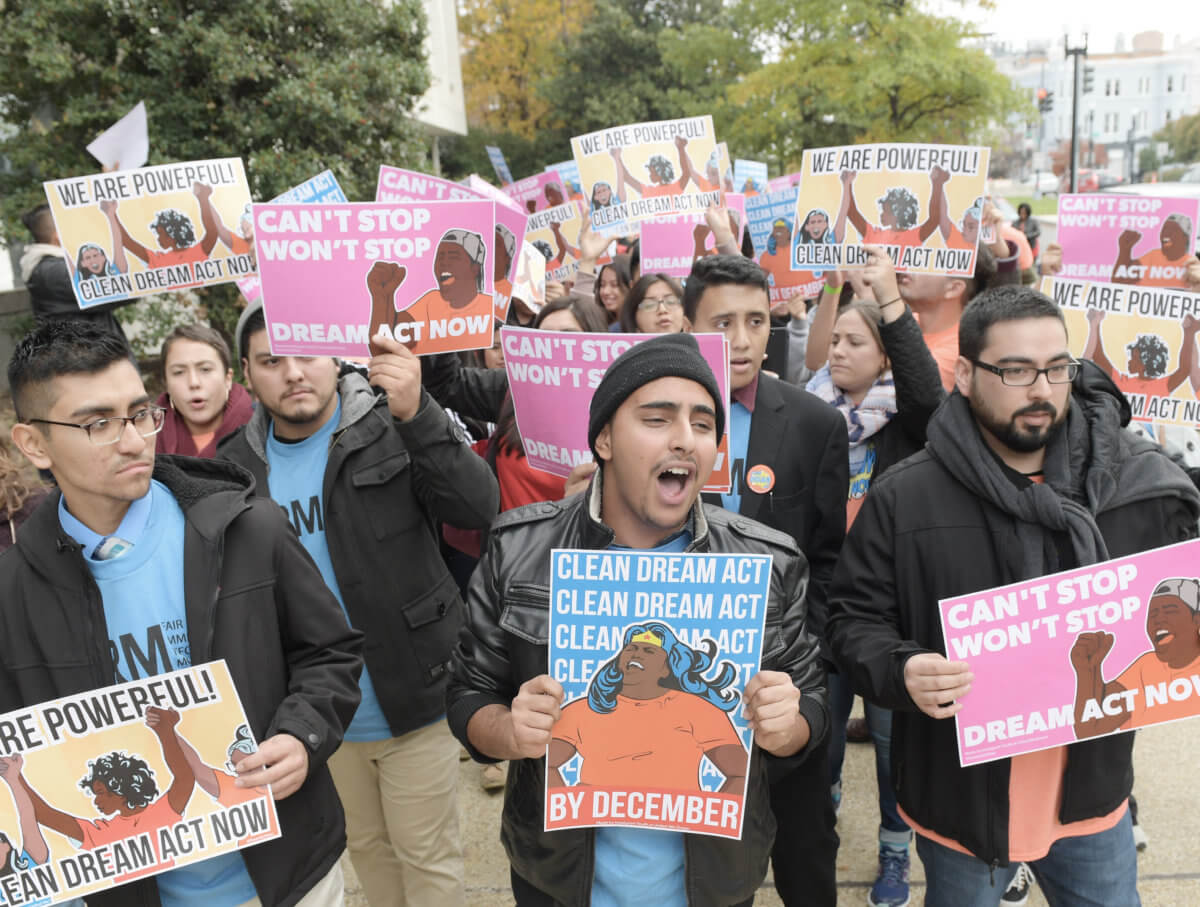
{"x":1019,"y":887}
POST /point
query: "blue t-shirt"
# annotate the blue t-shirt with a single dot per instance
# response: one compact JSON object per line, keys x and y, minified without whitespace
{"x":144,"y":607}
{"x":739,"y":440}
{"x":297,"y":472}
{"x":639,"y":866}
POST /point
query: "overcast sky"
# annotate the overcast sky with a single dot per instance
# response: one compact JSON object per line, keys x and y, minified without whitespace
{"x":1018,"y":21}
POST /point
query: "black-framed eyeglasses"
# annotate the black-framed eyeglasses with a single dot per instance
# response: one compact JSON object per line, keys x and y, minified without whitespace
{"x":1025,"y":375}
{"x":650,"y":304}
{"x":146,"y":422}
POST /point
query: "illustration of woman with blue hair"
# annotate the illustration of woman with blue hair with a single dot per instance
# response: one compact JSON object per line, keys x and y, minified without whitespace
{"x":651,"y":715}
{"x":603,"y":196}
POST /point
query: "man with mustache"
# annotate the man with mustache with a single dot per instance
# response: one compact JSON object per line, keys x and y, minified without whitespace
{"x":1173,"y":627}
{"x":654,"y":422}
{"x":1026,"y":472}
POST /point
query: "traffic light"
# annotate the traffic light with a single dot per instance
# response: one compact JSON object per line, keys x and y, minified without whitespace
{"x":1045,"y":101}
{"x":1089,"y":79}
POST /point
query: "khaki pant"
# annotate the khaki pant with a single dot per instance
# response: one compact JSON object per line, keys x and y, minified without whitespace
{"x":401,"y":802}
{"x":326,"y":893}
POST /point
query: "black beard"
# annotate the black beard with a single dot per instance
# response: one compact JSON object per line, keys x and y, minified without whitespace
{"x":1014,"y":438}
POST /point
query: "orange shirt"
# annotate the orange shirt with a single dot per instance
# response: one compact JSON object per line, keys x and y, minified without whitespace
{"x":96,"y":832}
{"x":177,"y":256}
{"x":943,"y":345}
{"x":229,"y":794}
{"x":956,"y":240}
{"x":432,"y":306}
{"x":653,"y":190}
{"x":239,"y":245}
{"x":1148,"y":670}
{"x":1034,"y":797}
{"x":501,"y":297}
{"x":1151,"y":387}
{"x":878,"y":236}
{"x":646,"y":743}
{"x":1162,"y":271}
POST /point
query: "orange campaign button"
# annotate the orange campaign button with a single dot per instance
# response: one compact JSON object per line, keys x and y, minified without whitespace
{"x":760,"y":479}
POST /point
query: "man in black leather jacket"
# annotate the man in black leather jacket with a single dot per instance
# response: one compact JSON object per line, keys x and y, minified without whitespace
{"x":654,"y":424}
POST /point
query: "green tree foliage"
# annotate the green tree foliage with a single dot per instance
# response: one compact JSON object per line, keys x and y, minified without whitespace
{"x":777,"y":75}
{"x":290,"y":86}
{"x":1183,"y":135}
{"x":864,"y":71}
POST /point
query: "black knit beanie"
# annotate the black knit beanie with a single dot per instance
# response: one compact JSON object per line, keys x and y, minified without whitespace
{"x":664,"y":356}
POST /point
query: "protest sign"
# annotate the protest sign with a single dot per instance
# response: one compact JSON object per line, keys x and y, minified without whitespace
{"x":788,"y":181}
{"x":1143,"y":338}
{"x":133,"y":781}
{"x":671,"y":244}
{"x":555,"y":233}
{"x":125,"y":144}
{"x":333,"y":275}
{"x":499,"y":165}
{"x":323,"y":187}
{"x":552,"y":374}
{"x":196,"y":234}
{"x":1098,"y":650}
{"x":927,"y":199}
{"x":719,"y":172}
{"x":769,"y":217}
{"x":654,"y":651}
{"x":539,"y":192}
{"x":644,"y":170}
{"x":396,"y":185}
{"x":749,"y":177}
{"x":568,"y":172}
{"x":1127,"y":239}
{"x":530,"y":283}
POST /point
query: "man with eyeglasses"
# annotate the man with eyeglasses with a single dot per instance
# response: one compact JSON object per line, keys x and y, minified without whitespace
{"x":139,"y":567}
{"x":1027,"y":472}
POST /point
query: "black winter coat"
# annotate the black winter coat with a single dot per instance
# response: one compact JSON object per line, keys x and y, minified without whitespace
{"x":504,"y":644}
{"x":253,"y":598}
{"x":386,"y":485}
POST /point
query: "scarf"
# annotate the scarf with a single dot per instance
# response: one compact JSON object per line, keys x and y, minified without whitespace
{"x":864,"y":420}
{"x":175,"y":438}
{"x":1081,"y":468}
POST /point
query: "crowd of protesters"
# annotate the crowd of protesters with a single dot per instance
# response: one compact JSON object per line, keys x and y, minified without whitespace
{"x":357,"y":543}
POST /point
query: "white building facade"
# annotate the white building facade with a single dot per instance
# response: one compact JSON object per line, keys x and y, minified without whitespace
{"x":1134,"y":94}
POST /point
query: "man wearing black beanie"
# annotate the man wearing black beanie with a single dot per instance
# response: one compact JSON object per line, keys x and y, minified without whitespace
{"x":654,"y":423}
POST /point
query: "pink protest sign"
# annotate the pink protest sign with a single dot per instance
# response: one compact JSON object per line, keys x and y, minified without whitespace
{"x":511,"y":223}
{"x":671,"y":244}
{"x":334,"y":275}
{"x":552,"y":375}
{"x":779,"y":183}
{"x":539,"y":192}
{"x":397,"y":185}
{"x":1127,"y":239}
{"x":1099,"y":650}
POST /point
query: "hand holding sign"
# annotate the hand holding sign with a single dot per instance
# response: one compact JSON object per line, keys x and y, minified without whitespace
{"x":936,"y":683}
{"x":880,"y":276}
{"x":721,"y":223}
{"x":772,"y":708}
{"x":398,"y":372}
{"x":1052,"y":259}
{"x":533,"y":713}
{"x":280,"y":761}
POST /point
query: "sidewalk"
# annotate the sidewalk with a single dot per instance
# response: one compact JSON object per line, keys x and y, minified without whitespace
{"x":1166,"y":763}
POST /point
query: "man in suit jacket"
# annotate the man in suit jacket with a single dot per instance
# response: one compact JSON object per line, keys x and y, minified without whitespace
{"x":790,"y":467}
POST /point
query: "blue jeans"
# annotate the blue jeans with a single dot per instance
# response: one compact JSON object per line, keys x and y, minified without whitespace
{"x":841,"y":700}
{"x":1097,"y":870}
